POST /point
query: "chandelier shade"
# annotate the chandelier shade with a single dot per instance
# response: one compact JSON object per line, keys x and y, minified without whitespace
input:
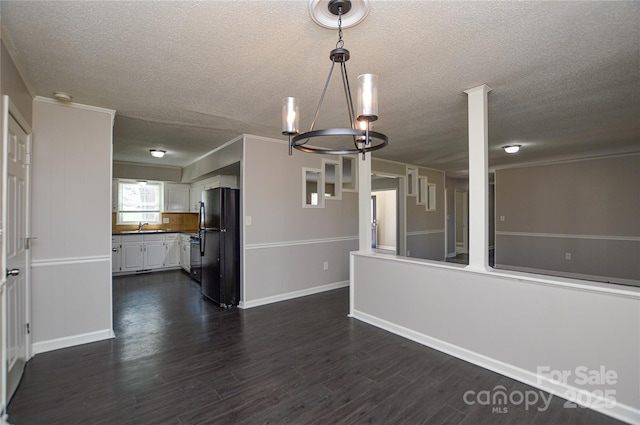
{"x":360,"y":136}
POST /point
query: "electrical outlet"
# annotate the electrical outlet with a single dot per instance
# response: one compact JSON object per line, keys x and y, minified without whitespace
{"x":247,"y":220}
{"x":502,"y":218}
{"x":165,"y":220}
{"x":567,"y":256}
{"x":408,"y":253}
{"x":326,"y":265}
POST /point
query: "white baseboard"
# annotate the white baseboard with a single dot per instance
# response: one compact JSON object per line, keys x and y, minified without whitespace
{"x":290,"y":295}
{"x":620,"y":411}
{"x":70,"y":341}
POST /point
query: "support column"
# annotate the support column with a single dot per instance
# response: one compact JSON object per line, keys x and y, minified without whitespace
{"x":364,"y":202}
{"x":478,"y":178}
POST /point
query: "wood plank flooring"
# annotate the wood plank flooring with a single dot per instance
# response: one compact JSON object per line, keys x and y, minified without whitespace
{"x":178,"y":359}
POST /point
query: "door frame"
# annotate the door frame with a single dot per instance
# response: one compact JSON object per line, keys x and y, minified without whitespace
{"x":9,"y":108}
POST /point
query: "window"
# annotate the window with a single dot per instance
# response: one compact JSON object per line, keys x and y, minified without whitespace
{"x":312,"y":188}
{"x":431,"y":197}
{"x":139,"y":202}
{"x":349,"y":174}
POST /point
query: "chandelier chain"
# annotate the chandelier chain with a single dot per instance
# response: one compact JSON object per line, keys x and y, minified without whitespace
{"x":340,"y":43}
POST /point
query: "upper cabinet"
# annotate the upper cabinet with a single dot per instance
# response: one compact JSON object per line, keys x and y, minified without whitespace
{"x":198,"y":187}
{"x":176,"y":197}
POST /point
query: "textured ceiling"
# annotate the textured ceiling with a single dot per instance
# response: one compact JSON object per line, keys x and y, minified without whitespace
{"x":189,"y":76}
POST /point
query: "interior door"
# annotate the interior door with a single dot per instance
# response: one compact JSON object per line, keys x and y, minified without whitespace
{"x":16,"y":147}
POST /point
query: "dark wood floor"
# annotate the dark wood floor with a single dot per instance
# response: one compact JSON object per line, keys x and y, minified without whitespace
{"x":178,"y":359}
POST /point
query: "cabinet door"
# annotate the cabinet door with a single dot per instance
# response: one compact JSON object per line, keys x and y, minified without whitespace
{"x":185,"y":254}
{"x":154,"y":253}
{"x":115,"y":257}
{"x":131,"y":256}
{"x":176,"y":198}
{"x":172,"y":253}
{"x":195,"y":196}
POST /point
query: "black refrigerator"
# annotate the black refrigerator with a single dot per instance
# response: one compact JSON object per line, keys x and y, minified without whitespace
{"x":220,"y":245}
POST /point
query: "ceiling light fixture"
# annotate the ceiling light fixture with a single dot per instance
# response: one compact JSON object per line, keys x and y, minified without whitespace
{"x":511,"y":148}
{"x":157,"y":153}
{"x":62,"y":96}
{"x":360,"y":132}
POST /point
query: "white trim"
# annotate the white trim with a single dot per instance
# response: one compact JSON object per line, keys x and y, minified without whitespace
{"x":75,"y":105}
{"x":404,"y":163}
{"x":70,"y":341}
{"x":619,"y":411}
{"x":70,"y":260}
{"x":425,"y":232}
{"x":294,"y":294}
{"x":530,"y":278}
{"x":606,"y":279}
{"x":297,"y":243}
{"x":571,"y":236}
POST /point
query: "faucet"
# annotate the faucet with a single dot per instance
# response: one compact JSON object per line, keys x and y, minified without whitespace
{"x":140,"y":226}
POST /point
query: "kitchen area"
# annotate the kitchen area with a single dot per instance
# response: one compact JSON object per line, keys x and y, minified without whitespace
{"x":160,"y":225}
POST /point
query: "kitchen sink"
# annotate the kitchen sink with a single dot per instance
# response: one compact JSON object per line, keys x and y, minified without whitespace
{"x":142,"y":231}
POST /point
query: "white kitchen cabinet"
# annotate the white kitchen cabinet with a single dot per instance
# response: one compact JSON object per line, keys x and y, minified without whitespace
{"x":157,"y":251}
{"x":195,"y":196}
{"x":176,"y":197}
{"x":154,"y":253}
{"x":185,"y":252}
{"x":172,"y":250}
{"x":131,"y":253}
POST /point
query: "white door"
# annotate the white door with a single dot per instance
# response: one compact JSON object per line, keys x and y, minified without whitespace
{"x":16,"y":148}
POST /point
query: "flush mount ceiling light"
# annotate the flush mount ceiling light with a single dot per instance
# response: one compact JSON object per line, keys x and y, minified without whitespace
{"x":62,"y":96}
{"x":360,"y":133}
{"x":157,"y":153}
{"x":511,"y":148}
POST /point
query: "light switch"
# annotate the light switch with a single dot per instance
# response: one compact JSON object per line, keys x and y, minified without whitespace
{"x":502,"y":218}
{"x":247,"y":220}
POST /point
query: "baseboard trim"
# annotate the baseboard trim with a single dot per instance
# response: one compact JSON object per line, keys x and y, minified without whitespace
{"x":291,"y":295}
{"x":70,"y":341}
{"x":620,"y":411}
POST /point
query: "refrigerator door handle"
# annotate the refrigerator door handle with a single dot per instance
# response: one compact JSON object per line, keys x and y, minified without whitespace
{"x":201,"y":216}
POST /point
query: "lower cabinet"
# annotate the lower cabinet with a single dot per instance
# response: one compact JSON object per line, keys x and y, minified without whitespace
{"x":185,"y":252}
{"x":136,"y":253}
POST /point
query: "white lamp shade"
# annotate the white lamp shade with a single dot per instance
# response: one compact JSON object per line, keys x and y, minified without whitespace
{"x":368,"y":97}
{"x":290,"y":115}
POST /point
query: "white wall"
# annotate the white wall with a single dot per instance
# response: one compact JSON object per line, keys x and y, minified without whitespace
{"x":71,"y":219}
{"x":286,"y":245}
{"x":511,"y":323}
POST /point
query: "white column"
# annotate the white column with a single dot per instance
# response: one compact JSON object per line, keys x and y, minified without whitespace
{"x":364,"y":202}
{"x":478,"y":178}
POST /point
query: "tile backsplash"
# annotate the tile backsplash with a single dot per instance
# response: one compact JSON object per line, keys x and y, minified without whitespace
{"x":179,"y":222}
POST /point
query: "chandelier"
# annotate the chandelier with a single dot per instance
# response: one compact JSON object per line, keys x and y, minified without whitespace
{"x":359,"y":134}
